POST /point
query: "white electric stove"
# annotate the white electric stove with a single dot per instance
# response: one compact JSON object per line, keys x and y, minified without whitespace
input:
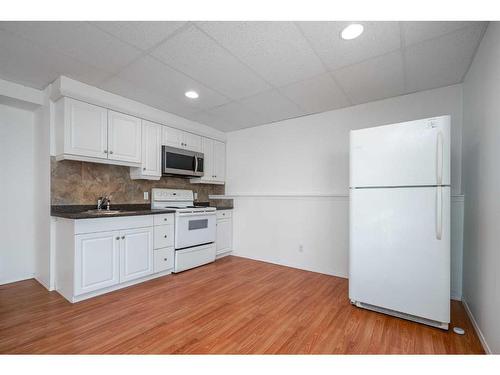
{"x":195,"y":227}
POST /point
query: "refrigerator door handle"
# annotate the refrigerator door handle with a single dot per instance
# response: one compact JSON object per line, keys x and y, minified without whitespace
{"x":439,"y":159}
{"x":439,"y":212}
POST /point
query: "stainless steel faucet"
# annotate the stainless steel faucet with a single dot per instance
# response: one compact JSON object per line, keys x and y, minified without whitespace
{"x":104,"y":200}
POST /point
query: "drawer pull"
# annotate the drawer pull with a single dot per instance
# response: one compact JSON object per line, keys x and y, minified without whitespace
{"x":165,"y":219}
{"x":165,"y":236}
{"x":165,"y":259}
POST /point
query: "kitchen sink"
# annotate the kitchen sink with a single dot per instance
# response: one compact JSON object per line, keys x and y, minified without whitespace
{"x":103,"y":212}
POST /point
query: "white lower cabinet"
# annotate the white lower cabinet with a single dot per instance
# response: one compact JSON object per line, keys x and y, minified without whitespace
{"x":224,"y":241}
{"x":96,"y":256}
{"x":163,"y":259}
{"x":136,"y":253}
{"x":96,"y":261}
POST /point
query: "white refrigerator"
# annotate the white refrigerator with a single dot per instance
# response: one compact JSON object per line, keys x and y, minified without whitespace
{"x":399,"y":258}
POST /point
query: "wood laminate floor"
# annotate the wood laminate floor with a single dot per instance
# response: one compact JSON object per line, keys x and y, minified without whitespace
{"x":234,"y":305}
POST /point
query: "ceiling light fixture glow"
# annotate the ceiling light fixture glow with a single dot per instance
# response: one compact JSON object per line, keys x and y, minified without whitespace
{"x":191,"y":94}
{"x":352,"y":31}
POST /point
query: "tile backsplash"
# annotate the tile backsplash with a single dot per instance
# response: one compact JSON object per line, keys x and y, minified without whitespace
{"x":76,"y":182}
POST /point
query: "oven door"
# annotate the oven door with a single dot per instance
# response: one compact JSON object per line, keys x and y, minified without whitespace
{"x":176,"y":161}
{"x":194,"y":228}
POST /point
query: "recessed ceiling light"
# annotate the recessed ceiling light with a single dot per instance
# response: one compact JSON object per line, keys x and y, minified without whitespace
{"x":352,"y":31}
{"x":191,"y":94}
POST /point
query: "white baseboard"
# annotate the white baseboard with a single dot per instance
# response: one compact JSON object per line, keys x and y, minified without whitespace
{"x":456,"y":296}
{"x":16,"y":279}
{"x":43,"y":283}
{"x":485,"y":345}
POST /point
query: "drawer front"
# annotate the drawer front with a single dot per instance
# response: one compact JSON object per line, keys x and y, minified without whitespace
{"x":224,"y":214}
{"x":163,"y":236}
{"x":194,"y":257}
{"x":163,"y":219}
{"x":163,"y":259}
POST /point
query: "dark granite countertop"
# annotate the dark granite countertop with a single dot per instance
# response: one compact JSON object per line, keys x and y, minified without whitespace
{"x":80,"y":211}
{"x":208,"y":204}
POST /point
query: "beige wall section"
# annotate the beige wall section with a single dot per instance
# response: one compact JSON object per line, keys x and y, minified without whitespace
{"x":481,"y":184}
{"x":76,"y":182}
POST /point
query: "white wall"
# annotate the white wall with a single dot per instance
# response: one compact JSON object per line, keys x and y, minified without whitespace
{"x":42,"y":228}
{"x":481,"y":184}
{"x":306,"y":161}
{"x":17,"y":255}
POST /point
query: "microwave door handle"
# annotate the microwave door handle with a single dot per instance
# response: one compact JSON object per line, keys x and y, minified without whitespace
{"x":195,"y":164}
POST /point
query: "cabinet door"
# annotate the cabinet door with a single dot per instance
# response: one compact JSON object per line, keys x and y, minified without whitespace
{"x":96,"y":261}
{"x":151,"y":149}
{"x":136,"y":253}
{"x":124,"y":137}
{"x":192,"y":142}
{"x":224,"y":241}
{"x":173,"y":137}
{"x":208,"y":161}
{"x":86,"y":129}
{"x":219,"y":161}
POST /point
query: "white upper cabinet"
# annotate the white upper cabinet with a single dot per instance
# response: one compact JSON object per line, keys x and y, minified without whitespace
{"x":208,"y":159}
{"x":179,"y":139}
{"x":219,"y":161}
{"x":91,"y":133}
{"x":214,"y":162}
{"x":124,"y":137}
{"x":151,"y":153}
{"x":173,"y":137}
{"x":192,"y":142}
{"x":84,"y":128}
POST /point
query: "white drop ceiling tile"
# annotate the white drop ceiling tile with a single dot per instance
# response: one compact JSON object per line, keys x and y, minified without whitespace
{"x":209,"y":119}
{"x":237,"y":116}
{"x":272,"y":105}
{"x":374,"y":79}
{"x":155,"y":76}
{"x":142,"y":34}
{"x":197,"y":55}
{"x":26,"y":63}
{"x":377,"y":39}
{"x":276,"y":50}
{"x":442,"y":61}
{"x":419,"y":31}
{"x":150,"y":97}
{"x":80,"y":40}
{"x":316,"y":94}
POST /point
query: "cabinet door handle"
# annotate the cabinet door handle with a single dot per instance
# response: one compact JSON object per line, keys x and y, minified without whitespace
{"x":165,"y":259}
{"x":165,"y":219}
{"x":123,"y":237}
{"x":144,"y":168}
{"x":105,"y":151}
{"x":165,"y":236}
{"x":118,"y":237}
{"x":111,"y":152}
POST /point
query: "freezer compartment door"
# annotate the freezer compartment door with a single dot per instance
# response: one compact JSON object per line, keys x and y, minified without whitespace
{"x":399,"y":255}
{"x":415,"y":153}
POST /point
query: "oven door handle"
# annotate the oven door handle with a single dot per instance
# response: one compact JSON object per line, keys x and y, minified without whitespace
{"x":201,"y":213}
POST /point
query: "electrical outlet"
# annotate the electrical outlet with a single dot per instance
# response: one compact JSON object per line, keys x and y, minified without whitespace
{"x":146,"y":195}
{"x":195,"y":196}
